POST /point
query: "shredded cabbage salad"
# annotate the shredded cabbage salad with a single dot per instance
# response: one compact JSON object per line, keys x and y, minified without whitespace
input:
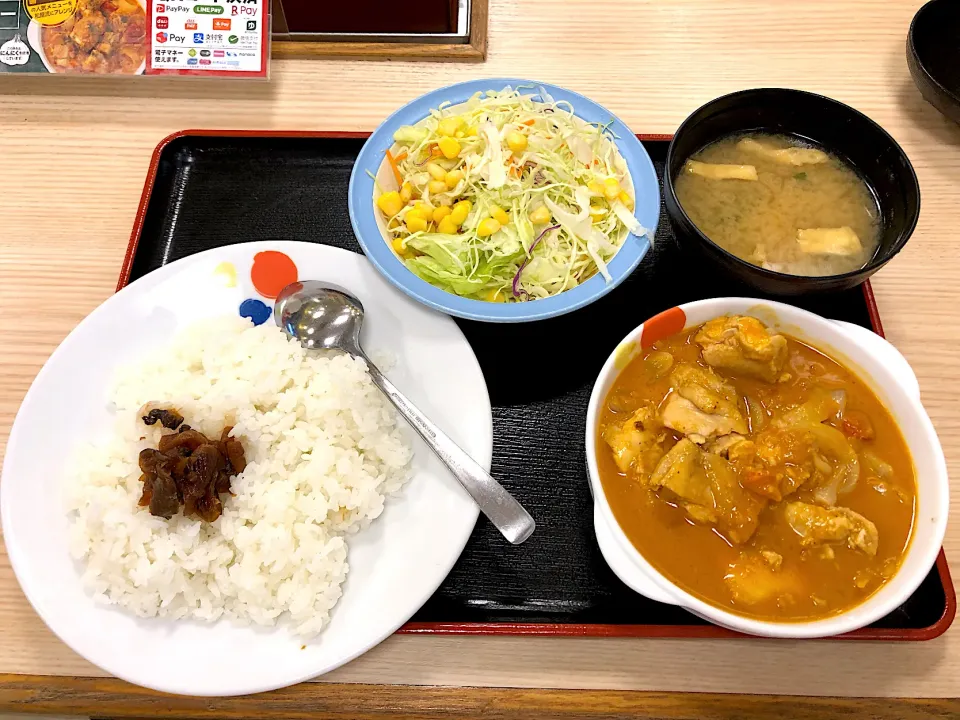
{"x":507,"y":198}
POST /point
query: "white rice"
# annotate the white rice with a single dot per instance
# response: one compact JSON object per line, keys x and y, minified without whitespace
{"x":323,"y":449}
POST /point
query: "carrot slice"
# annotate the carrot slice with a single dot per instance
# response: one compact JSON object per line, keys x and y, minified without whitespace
{"x":401,"y":156}
{"x":393,"y":166}
{"x":531,"y":121}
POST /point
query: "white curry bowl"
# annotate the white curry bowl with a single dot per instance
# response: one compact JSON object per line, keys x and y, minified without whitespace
{"x":881,"y":366}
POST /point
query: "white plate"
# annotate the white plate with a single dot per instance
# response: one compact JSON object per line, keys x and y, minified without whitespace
{"x":395,"y":565}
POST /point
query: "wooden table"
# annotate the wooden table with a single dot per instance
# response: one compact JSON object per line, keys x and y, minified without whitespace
{"x":73,"y":156}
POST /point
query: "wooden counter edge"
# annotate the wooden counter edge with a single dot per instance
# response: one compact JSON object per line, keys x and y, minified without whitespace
{"x":107,"y":697}
{"x":376,"y":51}
{"x":473,"y":51}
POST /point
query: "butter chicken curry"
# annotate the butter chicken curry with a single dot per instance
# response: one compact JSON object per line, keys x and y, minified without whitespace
{"x":103,"y":37}
{"x":756,"y":472}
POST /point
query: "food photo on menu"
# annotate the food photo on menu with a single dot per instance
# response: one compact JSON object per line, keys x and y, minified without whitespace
{"x":474,"y":353}
{"x":134,"y":37}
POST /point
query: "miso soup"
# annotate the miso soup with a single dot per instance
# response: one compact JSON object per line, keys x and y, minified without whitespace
{"x":781,"y":205}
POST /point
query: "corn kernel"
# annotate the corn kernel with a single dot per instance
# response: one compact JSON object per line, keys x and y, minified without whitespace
{"x":440,"y":213}
{"x":611,"y":188}
{"x":406,"y":192}
{"x":450,"y":147}
{"x":499,"y":215}
{"x":416,"y":224}
{"x":540,"y":216}
{"x":597,"y":213}
{"x":399,"y":246}
{"x":625,"y":198}
{"x":460,"y":212}
{"x":450,"y":125}
{"x":471,"y":131}
{"x":418,"y":212}
{"x":452,"y":178}
{"x":495,"y":295}
{"x":425,"y":209}
{"x":595,"y":188}
{"x":390,"y":203}
{"x":436,"y":172}
{"x":487,"y":227}
{"x":458,"y":134}
{"x":447,"y":226}
{"x":517,"y":142}
{"x":436,"y":187}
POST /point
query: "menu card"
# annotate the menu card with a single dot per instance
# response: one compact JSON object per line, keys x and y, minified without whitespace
{"x":222,"y":38}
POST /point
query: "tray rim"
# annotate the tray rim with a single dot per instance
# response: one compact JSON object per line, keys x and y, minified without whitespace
{"x":548,"y":629}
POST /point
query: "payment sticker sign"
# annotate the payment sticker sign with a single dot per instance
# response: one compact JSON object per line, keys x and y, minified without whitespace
{"x":230,"y":36}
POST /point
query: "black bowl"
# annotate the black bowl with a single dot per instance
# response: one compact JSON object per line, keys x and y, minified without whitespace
{"x":933,"y":55}
{"x":827,"y":123}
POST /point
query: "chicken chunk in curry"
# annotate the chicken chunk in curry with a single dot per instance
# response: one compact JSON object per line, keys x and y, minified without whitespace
{"x":707,"y":487}
{"x":637,"y":444}
{"x":759,"y":577}
{"x":816,"y":525}
{"x":742,"y":346}
{"x":757,"y":472}
{"x":702,"y":405}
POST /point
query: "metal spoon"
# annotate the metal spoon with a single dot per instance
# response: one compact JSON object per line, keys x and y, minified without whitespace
{"x":322,"y":316}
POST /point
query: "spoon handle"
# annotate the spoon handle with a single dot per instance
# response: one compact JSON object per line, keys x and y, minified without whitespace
{"x":500,"y":507}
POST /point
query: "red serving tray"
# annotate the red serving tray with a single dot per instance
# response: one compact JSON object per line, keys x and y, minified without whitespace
{"x":556,"y":629}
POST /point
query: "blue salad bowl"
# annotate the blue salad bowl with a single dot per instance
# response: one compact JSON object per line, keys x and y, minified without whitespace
{"x":378,"y":251}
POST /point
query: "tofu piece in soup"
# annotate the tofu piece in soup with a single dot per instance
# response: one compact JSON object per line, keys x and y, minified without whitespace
{"x":721,"y":172}
{"x":829,"y":241}
{"x":787,"y":156}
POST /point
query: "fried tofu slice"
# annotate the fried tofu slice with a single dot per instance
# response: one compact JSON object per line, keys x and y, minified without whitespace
{"x":713,"y":171}
{"x":796,"y":156}
{"x":829,"y":241}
